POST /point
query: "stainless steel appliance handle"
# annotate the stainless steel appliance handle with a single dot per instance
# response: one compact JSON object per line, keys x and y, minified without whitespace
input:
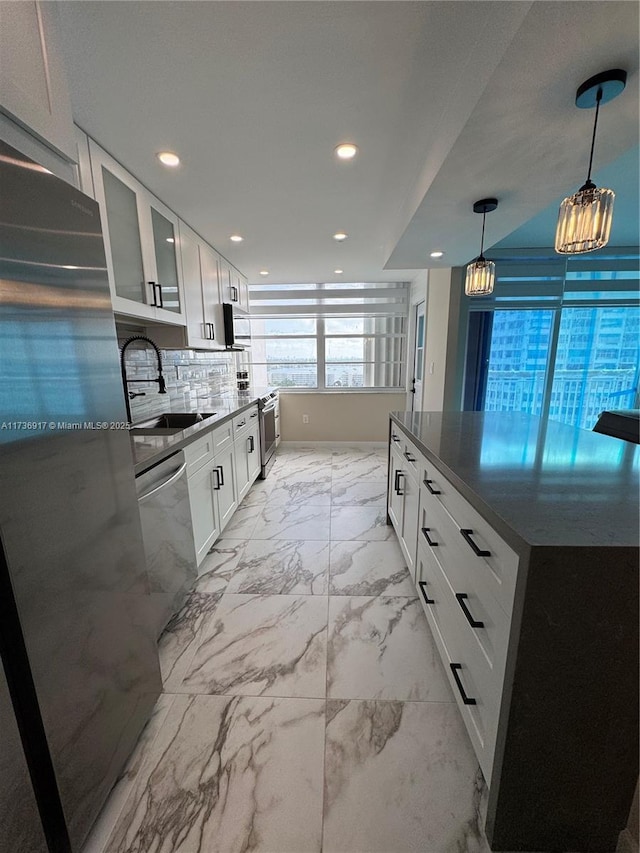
{"x":269,"y":408}
{"x":172,"y":478}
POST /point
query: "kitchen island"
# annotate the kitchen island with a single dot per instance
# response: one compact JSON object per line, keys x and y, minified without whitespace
{"x":523,"y":538}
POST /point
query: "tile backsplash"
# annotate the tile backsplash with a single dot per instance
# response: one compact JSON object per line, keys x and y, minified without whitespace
{"x":191,"y":377}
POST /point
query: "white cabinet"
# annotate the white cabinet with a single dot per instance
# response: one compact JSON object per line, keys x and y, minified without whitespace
{"x":140,"y":236}
{"x":204,"y":509}
{"x":33,"y":84}
{"x":227,"y":495}
{"x":234,"y":287}
{"x":84,"y":178}
{"x":247,"y":450}
{"x":403,"y":499}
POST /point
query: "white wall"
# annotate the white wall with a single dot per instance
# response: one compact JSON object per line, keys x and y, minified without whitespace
{"x":339,"y":416}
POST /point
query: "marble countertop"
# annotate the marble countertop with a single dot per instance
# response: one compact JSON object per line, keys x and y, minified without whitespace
{"x":149,"y":449}
{"x":538,"y":483}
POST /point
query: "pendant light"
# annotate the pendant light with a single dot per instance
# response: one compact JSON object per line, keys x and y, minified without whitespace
{"x":584,"y":220}
{"x":481,"y":274}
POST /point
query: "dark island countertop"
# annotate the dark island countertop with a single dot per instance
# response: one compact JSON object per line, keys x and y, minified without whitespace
{"x":537,"y":483}
{"x":148,"y":450}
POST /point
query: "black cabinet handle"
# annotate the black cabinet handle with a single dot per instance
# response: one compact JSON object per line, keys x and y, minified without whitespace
{"x":221,"y":469}
{"x":153,"y":293}
{"x":396,"y":484}
{"x":217,"y":482}
{"x":425,"y":533}
{"x":255,"y":415}
{"x":478,"y":551}
{"x":423,"y":589}
{"x":234,"y":293}
{"x":462,"y":597}
{"x":468,"y":700}
{"x":251,"y":444}
{"x":432,"y":490}
{"x":395,"y":438}
{"x":409,"y":457}
{"x":159,"y":286}
{"x":212,"y":336}
{"x":241,"y":424}
{"x":277,"y":435}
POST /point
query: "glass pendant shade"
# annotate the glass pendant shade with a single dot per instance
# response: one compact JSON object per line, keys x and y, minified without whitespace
{"x":481,"y":275}
{"x":584,"y":221}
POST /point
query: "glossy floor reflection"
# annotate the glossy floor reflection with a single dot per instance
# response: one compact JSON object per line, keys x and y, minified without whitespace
{"x":305,"y":706}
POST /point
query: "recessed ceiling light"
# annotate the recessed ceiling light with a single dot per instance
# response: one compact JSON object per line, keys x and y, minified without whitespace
{"x":338,"y":272}
{"x":168,"y":158}
{"x":340,"y":236}
{"x":171,"y":240}
{"x":236,"y":238}
{"x":346,"y":150}
{"x":436,"y":254}
{"x":264,"y":272}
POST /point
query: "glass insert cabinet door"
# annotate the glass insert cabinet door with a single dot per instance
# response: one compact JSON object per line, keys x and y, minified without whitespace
{"x":124,"y":236}
{"x":164,"y":243}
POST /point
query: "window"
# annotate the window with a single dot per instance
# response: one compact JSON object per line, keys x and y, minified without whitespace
{"x":329,"y":336}
{"x":569,"y":361}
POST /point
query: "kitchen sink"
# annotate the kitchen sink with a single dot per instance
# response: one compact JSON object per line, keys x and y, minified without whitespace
{"x":170,"y":423}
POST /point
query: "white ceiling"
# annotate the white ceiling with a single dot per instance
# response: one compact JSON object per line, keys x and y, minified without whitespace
{"x":448,"y":101}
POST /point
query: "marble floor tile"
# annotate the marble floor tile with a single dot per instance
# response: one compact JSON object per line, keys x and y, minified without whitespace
{"x":371,"y":467}
{"x":278,"y":566}
{"x":366,"y":523}
{"x":178,"y":643}
{"x":217,"y":568}
{"x":400,"y":777}
{"x":382,"y":648}
{"x":108,"y":817}
{"x":369,"y":568}
{"x":286,"y":522}
{"x":359,"y":493}
{"x":291,"y":490}
{"x":230,"y":775}
{"x":258,"y":493}
{"x":304,"y":465}
{"x":243,"y":522}
{"x":271,"y":645}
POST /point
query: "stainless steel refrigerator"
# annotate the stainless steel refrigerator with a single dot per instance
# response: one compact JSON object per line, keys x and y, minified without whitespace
{"x":77,"y":644}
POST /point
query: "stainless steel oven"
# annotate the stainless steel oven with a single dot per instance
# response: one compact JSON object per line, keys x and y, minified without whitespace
{"x":267,"y":406}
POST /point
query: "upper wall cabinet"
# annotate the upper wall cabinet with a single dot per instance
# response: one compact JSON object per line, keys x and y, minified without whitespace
{"x":140,"y":236}
{"x":234,"y":286}
{"x":33,"y":85}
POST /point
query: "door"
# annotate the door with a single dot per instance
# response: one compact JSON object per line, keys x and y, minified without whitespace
{"x":204,"y":512}
{"x":418,"y":359}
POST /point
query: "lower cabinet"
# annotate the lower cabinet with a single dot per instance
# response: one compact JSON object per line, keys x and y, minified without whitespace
{"x":225,"y":487}
{"x":204,"y":508}
{"x":247,"y":451}
{"x":403,"y":503}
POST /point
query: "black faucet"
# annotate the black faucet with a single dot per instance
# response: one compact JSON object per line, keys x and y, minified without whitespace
{"x":129,"y":395}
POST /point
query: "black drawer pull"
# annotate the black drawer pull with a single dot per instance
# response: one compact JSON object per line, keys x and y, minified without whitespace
{"x":251,"y":444}
{"x":462,"y":596}
{"x":468,"y":700}
{"x":428,"y":485}
{"x":153,"y":293}
{"x":254,"y":415}
{"x":423,"y":590}
{"x":409,"y":457}
{"x":425,"y":533}
{"x":217,"y":483}
{"x":396,"y":482}
{"x":221,"y":469}
{"x":159,"y":286}
{"x":241,"y":424}
{"x":395,"y":438}
{"x":467,"y":538}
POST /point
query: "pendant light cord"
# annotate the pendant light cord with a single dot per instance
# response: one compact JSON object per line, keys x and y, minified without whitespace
{"x":593,"y":138}
{"x":484,"y":216}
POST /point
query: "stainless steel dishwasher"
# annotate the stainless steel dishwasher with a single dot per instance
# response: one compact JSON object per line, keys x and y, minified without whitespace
{"x":165,"y":514}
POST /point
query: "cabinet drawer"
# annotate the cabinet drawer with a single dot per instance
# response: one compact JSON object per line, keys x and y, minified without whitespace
{"x":243,"y":423}
{"x":222,"y":437}
{"x":473,"y":545}
{"x":473,"y":600}
{"x":198,"y":453}
{"x":464,"y":664}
